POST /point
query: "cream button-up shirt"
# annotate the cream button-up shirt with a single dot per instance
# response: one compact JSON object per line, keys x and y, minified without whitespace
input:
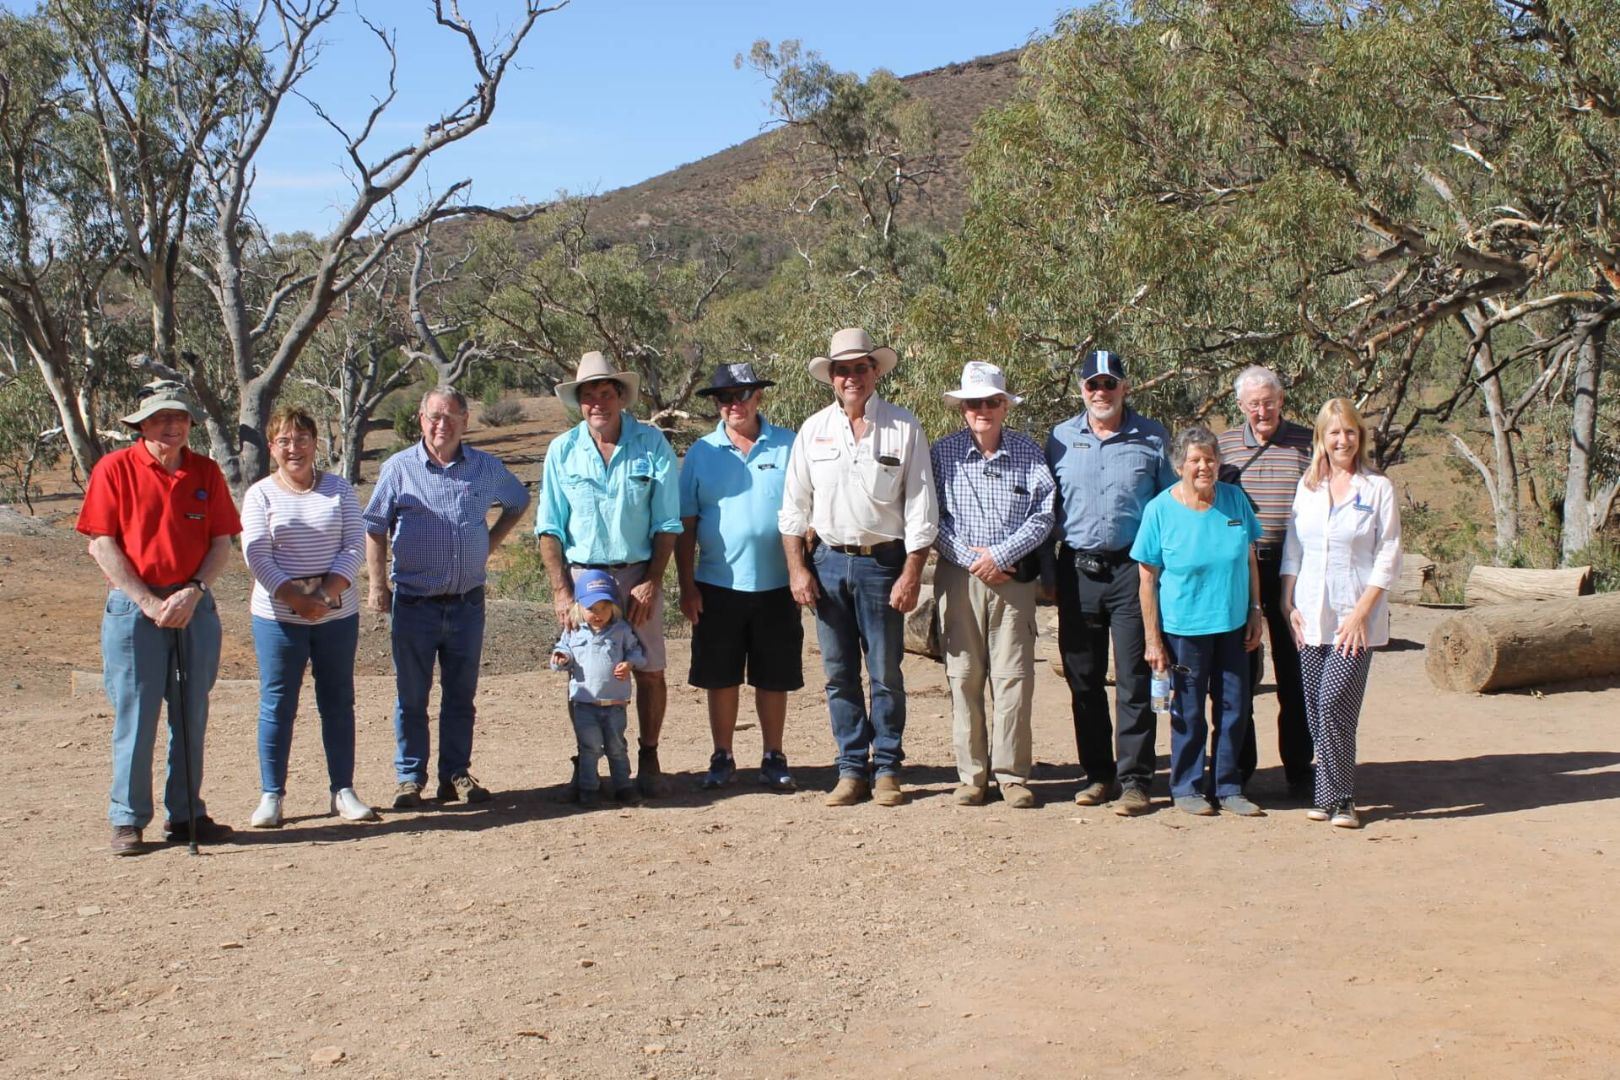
{"x":877,"y":488}
{"x":1336,"y":552}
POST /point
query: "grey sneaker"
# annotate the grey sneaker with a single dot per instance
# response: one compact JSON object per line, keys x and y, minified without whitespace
{"x":1241,"y":806}
{"x":1196,"y":805}
{"x":773,"y":772}
{"x":462,"y":786}
{"x":1344,"y":814}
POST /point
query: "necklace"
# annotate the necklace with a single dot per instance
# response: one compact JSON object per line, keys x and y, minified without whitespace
{"x":286,"y":482}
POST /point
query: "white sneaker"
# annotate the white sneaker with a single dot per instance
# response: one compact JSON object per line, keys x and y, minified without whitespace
{"x":347,"y":805}
{"x":268,"y":815}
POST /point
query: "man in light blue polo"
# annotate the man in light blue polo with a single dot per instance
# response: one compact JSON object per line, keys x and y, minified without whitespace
{"x":733,"y":573}
{"x":431,"y":506}
{"x":609,"y":500}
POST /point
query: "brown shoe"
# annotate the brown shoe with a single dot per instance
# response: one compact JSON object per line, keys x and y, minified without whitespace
{"x":126,"y":840}
{"x":1133,"y":802}
{"x":1018,"y":796}
{"x":970,"y":795}
{"x":850,"y":790}
{"x":649,"y":776}
{"x":208,"y":831}
{"x":887,"y":791}
{"x":1097,"y":794}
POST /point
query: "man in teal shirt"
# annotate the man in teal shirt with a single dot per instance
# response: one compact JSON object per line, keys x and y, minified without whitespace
{"x":733,"y":573}
{"x":609,"y":501}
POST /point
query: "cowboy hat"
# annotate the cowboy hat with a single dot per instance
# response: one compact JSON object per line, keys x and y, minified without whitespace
{"x":853,"y":343}
{"x":734,"y":377}
{"x":160,"y":395}
{"x":593,"y":367}
{"x":982,"y":380}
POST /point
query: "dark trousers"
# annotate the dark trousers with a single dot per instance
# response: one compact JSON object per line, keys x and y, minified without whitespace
{"x":1294,"y":745}
{"x":1091,"y":610}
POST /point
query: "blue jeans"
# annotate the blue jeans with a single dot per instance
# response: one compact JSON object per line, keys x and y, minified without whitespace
{"x":1216,"y":666}
{"x":853,"y":617}
{"x":599,"y":730}
{"x":452,"y":634}
{"x":285,"y":649}
{"x":138,"y":662}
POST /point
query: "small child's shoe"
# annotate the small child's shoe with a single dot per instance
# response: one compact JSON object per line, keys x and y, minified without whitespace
{"x":587,"y":797}
{"x":628,"y":795}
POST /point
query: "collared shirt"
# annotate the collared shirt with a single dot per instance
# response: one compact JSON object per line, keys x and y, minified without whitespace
{"x":1335,"y":553}
{"x":1104,"y":484}
{"x":163,"y":522}
{"x":1002,"y":503}
{"x":735,"y":498}
{"x":437,"y":517}
{"x":1270,"y":473}
{"x":608,"y":513}
{"x":592,"y":656}
{"x":861,"y":491}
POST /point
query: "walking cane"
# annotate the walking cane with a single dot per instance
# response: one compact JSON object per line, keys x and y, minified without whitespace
{"x":185,"y":735}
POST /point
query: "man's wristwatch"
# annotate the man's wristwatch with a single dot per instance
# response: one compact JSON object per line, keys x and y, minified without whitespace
{"x":202,"y":586}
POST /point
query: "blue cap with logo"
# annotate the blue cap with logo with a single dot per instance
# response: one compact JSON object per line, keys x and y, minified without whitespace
{"x":594,"y":586}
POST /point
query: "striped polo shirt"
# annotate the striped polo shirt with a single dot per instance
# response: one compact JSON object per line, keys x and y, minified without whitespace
{"x":1270,"y":474}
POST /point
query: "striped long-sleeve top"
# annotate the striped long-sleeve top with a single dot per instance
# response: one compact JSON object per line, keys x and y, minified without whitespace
{"x":289,"y":535}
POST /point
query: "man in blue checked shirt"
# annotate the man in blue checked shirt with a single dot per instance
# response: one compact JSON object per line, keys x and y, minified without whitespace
{"x":995,"y":511}
{"x":1109,"y":463}
{"x":431,"y":506}
{"x":609,"y":500}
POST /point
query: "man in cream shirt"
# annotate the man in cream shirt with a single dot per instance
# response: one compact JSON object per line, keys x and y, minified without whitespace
{"x":858,"y":517}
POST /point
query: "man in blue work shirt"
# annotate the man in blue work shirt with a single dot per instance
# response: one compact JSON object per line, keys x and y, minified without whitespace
{"x":1109,"y":462}
{"x":609,"y":501}
{"x":733,"y":573}
{"x":431,"y":505}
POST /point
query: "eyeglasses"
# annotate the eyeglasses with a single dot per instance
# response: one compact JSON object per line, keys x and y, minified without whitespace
{"x":983,"y":403}
{"x":1261,"y":405}
{"x":734,"y":396}
{"x":1102,"y":382}
{"x":296,"y":440}
{"x":850,"y":371}
{"x":442,"y":418}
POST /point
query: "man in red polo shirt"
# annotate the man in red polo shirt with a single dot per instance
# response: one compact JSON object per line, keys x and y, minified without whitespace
{"x":160,"y":521}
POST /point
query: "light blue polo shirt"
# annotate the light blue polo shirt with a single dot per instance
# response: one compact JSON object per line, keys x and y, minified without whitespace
{"x":735,"y":499}
{"x":1204,"y":556}
{"x":609,"y":513}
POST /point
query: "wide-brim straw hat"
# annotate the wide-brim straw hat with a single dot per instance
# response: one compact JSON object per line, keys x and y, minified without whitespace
{"x":593,"y":367}
{"x":162,"y":394}
{"x":982,"y":380}
{"x":853,"y":343}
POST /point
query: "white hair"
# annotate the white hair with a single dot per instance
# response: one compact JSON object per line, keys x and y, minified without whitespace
{"x":1257,"y":375}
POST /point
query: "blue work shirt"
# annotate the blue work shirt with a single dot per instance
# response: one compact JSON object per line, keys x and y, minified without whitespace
{"x":608,"y":513}
{"x":436,"y":517}
{"x":735,"y":498}
{"x":1104,"y":484}
{"x":1203,"y":556}
{"x":592,"y":656}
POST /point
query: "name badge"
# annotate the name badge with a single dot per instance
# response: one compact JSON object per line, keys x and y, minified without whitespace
{"x":641,"y":469}
{"x":1363,"y":507}
{"x":1233,"y":524}
{"x":196,"y":517}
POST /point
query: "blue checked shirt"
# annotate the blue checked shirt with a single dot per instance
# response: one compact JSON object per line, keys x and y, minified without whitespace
{"x":1104,"y":484}
{"x":436,"y":517}
{"x":1002,"y":503}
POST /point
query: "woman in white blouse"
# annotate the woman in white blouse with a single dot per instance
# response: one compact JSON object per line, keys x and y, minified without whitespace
{"x":304,"y":541}
{"x":1341,"y":558}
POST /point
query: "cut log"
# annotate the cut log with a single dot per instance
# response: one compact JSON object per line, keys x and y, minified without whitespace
{"x":1508,"y":585}
{"x":922,"y":626}
{"x":1416,"y":584}
{"x":1527,"y":644}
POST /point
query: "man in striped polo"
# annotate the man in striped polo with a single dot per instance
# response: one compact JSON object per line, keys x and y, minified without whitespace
{"x":1266,"y":456}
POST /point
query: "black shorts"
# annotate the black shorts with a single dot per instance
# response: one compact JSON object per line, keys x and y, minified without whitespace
{"x":756,"y":631}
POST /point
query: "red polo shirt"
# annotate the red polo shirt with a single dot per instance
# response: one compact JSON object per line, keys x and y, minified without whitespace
{"x":163,"y":521}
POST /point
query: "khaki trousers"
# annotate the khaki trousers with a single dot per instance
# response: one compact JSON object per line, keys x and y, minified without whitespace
{"x":988,"y":635}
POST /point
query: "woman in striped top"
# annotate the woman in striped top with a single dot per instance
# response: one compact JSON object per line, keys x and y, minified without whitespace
{"x":304,"y":541}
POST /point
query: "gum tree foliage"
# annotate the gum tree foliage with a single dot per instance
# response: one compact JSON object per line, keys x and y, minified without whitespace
{"x":1408,"y":203}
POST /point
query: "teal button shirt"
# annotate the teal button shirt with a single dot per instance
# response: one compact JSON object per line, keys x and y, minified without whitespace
{"x":735,"y":500}
{"x":608,"y":513}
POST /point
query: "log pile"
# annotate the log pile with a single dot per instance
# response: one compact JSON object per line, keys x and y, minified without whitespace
{"x":1507,"y":584}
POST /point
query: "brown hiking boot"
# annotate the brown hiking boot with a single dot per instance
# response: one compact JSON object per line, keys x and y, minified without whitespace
{"x":1097,"y":794}
{"x":649,"y":777}
{"x":126,"y":840}
{"x":887,"y":791}
{"x":1133,"y":802}
{"x":969,"y":795}
{"x":1018,"y":796}
{"x":850,"y":790}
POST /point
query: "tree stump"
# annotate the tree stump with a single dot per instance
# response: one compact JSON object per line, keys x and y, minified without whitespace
{"x":1416,"y":584}
{"x":1527,"y":644}
{"x":1508,"y":585}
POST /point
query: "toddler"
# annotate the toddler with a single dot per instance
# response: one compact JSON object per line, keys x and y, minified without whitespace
{"x":598,"y":655}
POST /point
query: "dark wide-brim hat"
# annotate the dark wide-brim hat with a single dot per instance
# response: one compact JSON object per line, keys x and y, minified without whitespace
{"x":734,"y":377}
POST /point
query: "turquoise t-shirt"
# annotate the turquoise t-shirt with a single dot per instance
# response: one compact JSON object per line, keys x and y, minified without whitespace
{"x":1204,"y":558}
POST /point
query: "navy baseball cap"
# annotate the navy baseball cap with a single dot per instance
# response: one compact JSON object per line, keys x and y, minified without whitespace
{"x":595,"y":585}
{"x":1102,"y":362}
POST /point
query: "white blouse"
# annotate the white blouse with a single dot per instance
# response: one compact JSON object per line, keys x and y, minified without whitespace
{"x":1336,"y":552}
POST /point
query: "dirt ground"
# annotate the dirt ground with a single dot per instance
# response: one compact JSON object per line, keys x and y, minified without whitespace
{"x":1469,"y":930}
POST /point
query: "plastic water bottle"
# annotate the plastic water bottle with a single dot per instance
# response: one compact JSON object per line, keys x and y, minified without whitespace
{"x":1159,"y":687}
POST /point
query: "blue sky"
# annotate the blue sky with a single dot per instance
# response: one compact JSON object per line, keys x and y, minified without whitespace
{"x":607,"y":92}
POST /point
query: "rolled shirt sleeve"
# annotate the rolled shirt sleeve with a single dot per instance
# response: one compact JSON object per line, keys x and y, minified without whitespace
{"x":793,"y":519}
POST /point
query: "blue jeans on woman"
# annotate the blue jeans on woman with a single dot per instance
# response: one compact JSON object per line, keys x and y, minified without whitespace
{"x":853,"y":617}
{"x":285,"y":649}
{"x":1217,"y":667}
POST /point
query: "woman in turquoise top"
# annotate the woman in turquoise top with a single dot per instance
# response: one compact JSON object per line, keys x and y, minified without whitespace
{"x":1201,"y":610}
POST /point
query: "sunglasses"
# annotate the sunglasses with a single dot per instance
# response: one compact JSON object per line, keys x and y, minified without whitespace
{"x":984,"y":403}
{"x":732,"y":397}
{"x":1102,"y":382}
{"x":850,"y":371}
